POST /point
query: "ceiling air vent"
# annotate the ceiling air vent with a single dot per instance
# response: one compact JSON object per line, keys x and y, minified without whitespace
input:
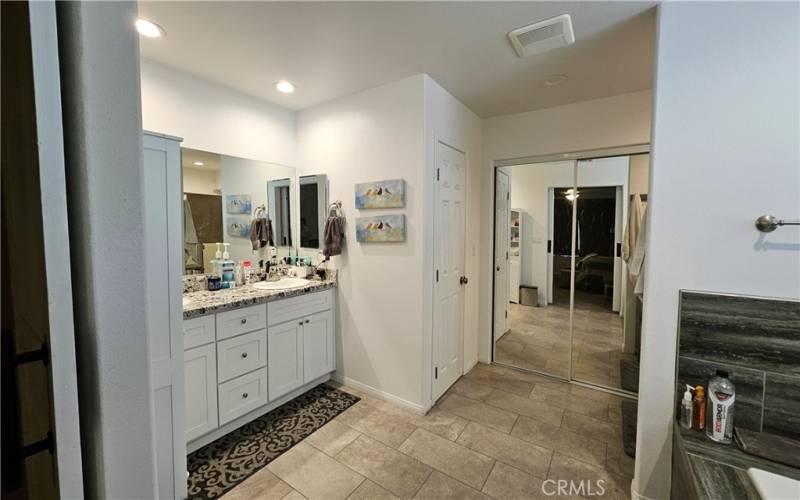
{"x":542,"y":36}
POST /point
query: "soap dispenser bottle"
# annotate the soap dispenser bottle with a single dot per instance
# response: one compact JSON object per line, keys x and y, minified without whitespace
{"x":216,"y":264}
{"x":228,"y":278}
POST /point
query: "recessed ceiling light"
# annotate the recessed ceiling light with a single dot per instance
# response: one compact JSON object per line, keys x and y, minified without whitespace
{"x":553,"y":80}
{"x":198,"y":163}
{"x":149,"y":28}
{"x":284,"y":86}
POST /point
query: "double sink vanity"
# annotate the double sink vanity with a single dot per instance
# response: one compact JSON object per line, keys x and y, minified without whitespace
{"x":249,"y":349}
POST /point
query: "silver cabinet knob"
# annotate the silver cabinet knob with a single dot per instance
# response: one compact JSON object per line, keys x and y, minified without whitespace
{"x":244,"y":320}
{"x":300,"y":323}
{"x":308,"y":321}
{"x":244,"y":395}
{"x":244,"y":354}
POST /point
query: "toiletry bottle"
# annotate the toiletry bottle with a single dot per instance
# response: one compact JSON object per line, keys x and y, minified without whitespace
{"x":686,"y":408}
{"x":248,"y":272}
{"x":721,"y":396}
{"x":238,"y":274}
{"x":228,"y":279}
{"x":216,"y":264}
{"x":699,"y":411}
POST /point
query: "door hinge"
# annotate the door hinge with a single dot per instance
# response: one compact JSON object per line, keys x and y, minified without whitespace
{"x":437,"y":275}
{"x":549,"y":246}
{"x":436,"y":372}
{"x":437,"y":174}
{"x":506,"y":313}
{"x":506,"y":255}
{"x":619,"y":249}
{"x":508,"y":196}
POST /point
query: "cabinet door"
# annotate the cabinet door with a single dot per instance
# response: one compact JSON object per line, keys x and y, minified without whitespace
{"x":200,"y":374}
{"x":318,"y":350}
{"x":284,"y":358}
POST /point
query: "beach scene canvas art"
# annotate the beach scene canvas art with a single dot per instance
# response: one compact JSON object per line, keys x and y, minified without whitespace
{"x":238,"y":204}
{"x":381,"y":229}
{"x":238,"y":227}
{"x":381,"y":194}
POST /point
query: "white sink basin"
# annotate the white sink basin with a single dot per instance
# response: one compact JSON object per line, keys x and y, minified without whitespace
{"x":282,"y":284}
{"x":772,"y":486}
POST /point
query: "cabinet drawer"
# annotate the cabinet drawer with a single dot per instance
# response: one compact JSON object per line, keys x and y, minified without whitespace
{"x":284,"y":310}
{"x":242,"y":395}
{"x":198,"y":331}
{"x":239,"y":355}
{"x":239,"y":321}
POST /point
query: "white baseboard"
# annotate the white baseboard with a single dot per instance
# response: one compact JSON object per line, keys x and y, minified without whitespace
{"x":470,"y":365}
{"x":391,"y":398}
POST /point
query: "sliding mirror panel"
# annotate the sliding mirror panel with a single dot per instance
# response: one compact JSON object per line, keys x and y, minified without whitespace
{"x":533,"y":236}
{"x":601,"y":353}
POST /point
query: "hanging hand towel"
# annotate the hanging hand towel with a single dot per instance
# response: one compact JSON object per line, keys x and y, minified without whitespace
{"x":333,"y":236}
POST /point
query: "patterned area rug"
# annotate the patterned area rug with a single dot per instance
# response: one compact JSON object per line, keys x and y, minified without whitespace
{"x":221,"y":465}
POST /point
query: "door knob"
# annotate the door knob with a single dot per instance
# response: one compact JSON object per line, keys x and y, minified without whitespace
{"x":244,"y":354}
{"x":498,"y":268}
{"x":244,"y":320}
{"x":464,"y":280}
{"x":244,"y":395}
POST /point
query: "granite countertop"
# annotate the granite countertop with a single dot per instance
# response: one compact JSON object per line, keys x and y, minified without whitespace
{"x":720,"y":470}
{"x":204,"y":302}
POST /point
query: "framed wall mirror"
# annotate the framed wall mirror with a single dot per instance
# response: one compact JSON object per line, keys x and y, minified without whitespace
{"x":279,"y":194}
{"x":313,"y":210}
{"x":221,"y":194}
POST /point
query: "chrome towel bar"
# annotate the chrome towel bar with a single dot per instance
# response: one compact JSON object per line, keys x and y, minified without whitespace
{"x":769,"y":223}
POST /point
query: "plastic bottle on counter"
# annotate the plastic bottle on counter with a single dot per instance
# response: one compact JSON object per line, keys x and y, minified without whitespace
{"x":699,"y":410}
{"x":721,"y":396}
{"x":687,"y":408}
{"x":248,"y":271}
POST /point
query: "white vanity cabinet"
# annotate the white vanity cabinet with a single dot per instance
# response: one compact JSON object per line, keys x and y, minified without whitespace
{"x":241,"y":363}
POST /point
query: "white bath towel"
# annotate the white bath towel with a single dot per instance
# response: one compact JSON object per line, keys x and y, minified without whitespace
{"x":632,"y":228}
{"x":636,"y":263}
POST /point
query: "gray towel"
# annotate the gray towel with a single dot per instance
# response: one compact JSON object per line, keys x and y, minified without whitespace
{"x":261,"y":233}
{"x":334,"y":236}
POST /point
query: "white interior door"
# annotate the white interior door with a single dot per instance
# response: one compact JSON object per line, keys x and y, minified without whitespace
{"x":616,"y":301}
{"x":501,"y":242}
{"x":550,"y":223}
{"x":163,"y":270}
{"x":448,"y":311}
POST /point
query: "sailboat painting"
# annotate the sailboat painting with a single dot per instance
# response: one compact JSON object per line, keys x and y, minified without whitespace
{"x":381,"y":229}
{"x":381,"y":194}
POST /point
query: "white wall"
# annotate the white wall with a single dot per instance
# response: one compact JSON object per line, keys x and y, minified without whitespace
{"x":99,"y":58}
{"x":613,"y":121}
{"x":373,"y":135}
{"x":211,"y":117}
{"x":449,"y":121}
{"x":639,"y":180}
{"x":725,"y":150}
{"x":197,"y":180}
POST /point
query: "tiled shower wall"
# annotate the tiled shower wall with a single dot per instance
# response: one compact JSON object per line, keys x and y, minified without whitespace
{"x":757,"y":341}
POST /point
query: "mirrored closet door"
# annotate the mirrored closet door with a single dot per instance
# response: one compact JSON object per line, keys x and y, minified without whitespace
{"x":565,"y":301}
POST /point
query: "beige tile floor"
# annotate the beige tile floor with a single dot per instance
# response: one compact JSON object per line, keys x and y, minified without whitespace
{"x":538,"y":339}
{"x":497,"y":433}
